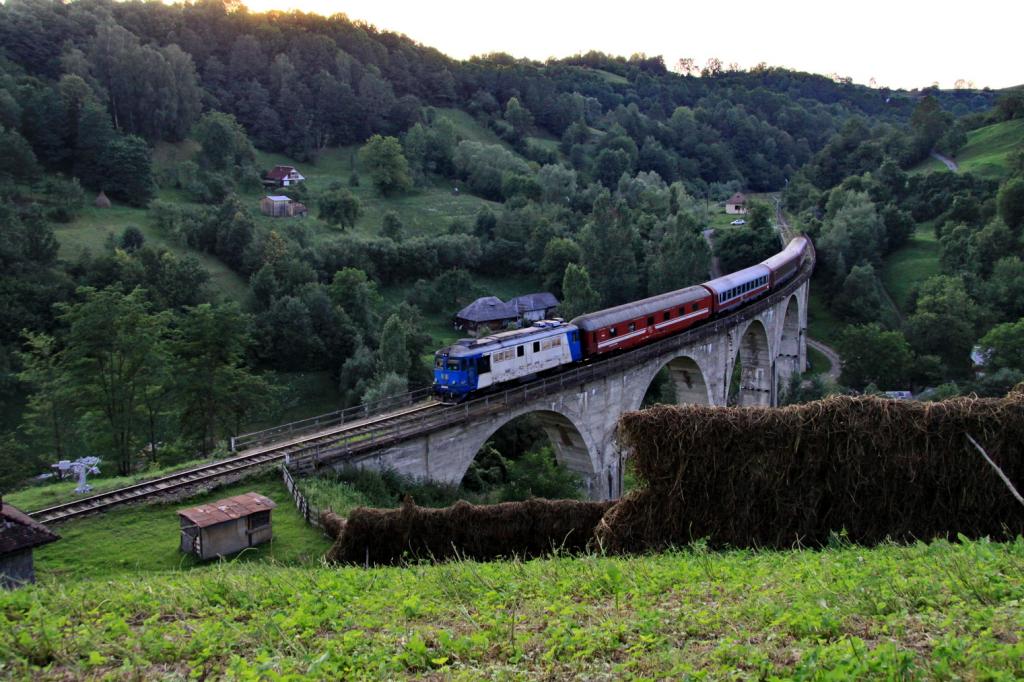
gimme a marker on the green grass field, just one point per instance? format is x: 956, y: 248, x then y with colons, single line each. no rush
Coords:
x: 988, y: 149
x: 819, y: 362
x: 143, y: 539
x: 423, y: 211
x: 910, y: 265
x: 924, y: 611
x: 822, y: 325
x: 986, y: 152
x: 42, y: 496
x: 94, y: 227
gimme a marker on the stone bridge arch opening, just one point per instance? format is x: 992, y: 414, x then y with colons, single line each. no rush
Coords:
x: 522, y: 444
x: 788, y: 362
x: 679, y: 381
x: 752, y: 374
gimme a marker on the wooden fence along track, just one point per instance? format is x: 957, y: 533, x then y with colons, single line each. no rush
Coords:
x: 352, y: 434
x: 209, y: 473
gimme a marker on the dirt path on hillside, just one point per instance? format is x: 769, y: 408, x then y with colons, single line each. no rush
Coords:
x: 833, y: 358
x: 950, y: 163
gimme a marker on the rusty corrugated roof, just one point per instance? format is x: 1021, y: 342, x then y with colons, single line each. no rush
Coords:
x: 228, y: 509
x: 18, y: 531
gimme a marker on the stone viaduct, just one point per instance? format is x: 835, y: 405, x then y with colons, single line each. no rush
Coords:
x: 579, y: 409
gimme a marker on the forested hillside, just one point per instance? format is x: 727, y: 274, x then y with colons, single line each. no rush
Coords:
x: 430, y: 181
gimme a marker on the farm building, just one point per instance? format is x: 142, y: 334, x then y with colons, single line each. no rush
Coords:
x: 19, y: 536
x: 533, y: 307
x: 280, y: 206
x: 226, y: 526
x: 283, y: 176
x: 736, y: 204
x: 489, y: 311
x: 494, y: 314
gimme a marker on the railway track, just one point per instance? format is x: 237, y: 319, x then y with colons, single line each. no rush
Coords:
x: 208, y: 473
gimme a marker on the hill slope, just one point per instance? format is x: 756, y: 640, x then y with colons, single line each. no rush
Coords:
x: 988, y: 149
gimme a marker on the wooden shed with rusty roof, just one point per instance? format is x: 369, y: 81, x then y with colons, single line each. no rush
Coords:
x: 19, y: 535
x: 226, y: 526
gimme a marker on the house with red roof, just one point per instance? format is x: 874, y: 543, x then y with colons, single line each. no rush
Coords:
x: 283, y: 176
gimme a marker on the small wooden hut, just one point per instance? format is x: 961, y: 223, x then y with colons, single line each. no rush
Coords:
x: 102, y: 201
x: 280, y: 206
x: 19, y: 535
x: 226, y: 526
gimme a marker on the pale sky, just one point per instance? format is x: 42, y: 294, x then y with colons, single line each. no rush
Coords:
x: 899, y: 43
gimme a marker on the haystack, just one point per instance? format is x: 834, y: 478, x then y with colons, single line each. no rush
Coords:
x: 522, y: 529
x: 102, y: 201
x: 874, y: 468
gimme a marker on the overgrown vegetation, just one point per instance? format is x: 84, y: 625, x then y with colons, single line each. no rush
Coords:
x: 937, y: 610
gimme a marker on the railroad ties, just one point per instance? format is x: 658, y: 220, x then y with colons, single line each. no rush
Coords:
x: 365, y: 429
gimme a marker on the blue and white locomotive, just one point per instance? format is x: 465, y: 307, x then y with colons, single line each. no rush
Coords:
x: 472, y: 365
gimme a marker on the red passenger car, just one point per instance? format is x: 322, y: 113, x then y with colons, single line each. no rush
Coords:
x: 634, y: 324
x: 787, y: 262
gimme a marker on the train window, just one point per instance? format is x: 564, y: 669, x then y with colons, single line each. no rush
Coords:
x: 536, y: 346
x: 667, y: 315
x: 632, y: 326
x: 612, y: 331
x: 483, y: 364
x: 650, y: 321
x: 453, y: 365
x: 520, y: 351
x: 438, y: 363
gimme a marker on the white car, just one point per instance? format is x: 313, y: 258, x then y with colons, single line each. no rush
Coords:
x: 738, y: 221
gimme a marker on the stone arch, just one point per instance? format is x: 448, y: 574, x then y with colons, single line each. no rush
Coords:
x: 572, y: 445
x: 756, y: 366
x: 688, y: 377
x: 788, y: 360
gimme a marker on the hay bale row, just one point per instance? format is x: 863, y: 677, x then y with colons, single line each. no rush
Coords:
x: 483, y: 532
x: 777, y: 477
x: 332, y: 524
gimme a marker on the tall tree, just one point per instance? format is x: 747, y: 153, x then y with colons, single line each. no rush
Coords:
x: 50, y: 413
x: 682, y: 259
x: 212, y: 382
x: 392, y: 356
x: 384, y: 161
x: 578, y: 297
x: 113, y: 344
x: 608, y: 242
x: 874, y: 356
x: 340, y: 207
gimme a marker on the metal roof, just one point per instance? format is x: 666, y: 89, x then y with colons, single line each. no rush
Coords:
x: 795, y: 247
x: 641, y: 308
x: 735, y: 279
x: 279, y: 197
x: 18, y: 531
x: 227, y: 509
x: 487, y: 309
x: 538, y: 301
x: 514, y: 337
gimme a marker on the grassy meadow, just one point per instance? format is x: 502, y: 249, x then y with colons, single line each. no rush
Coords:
x: 986, y: 153
x: 924, y: 611
x: 144, y: 539
x: 910, y: 265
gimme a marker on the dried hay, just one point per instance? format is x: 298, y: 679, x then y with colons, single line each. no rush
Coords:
x: 766, y: 477
x: 332, y: 524
x: 524, y: 529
